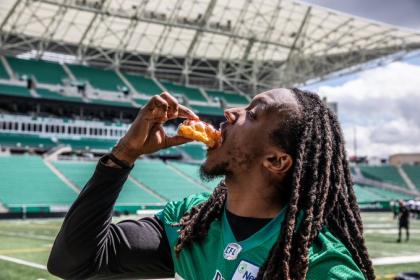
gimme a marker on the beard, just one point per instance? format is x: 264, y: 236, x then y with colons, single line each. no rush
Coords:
x: 219, y: 170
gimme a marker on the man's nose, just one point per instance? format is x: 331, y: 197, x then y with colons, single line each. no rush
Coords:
x: 230, y: 116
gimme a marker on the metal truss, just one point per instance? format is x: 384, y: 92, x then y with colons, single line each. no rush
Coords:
x: 241, y: 45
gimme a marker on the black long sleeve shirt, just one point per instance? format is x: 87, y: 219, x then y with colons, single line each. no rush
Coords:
x: 89, y: 245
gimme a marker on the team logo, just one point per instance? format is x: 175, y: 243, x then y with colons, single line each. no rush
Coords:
x: 246, y: 271
x: 218, y: 276
x: 232, y: 251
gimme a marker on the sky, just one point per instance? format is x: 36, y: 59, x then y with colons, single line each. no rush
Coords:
x: 379, y: 107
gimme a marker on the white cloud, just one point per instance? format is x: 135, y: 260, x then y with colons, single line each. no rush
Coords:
x: 383, y: 105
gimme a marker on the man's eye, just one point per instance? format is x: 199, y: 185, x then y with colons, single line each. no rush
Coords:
x: 251, y: 115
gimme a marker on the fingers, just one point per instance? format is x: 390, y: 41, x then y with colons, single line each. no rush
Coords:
x: 184, y: 112
x: 176, y: 110
x: 176, y: 140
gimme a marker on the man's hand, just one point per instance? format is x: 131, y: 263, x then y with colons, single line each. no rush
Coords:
x: 146, y: 134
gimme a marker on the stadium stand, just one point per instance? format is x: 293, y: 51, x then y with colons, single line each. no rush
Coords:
x: 140, y: 102
x: 196, y: 151
x: 79, y: 173
x: 413, y: 171
x: 43, y: 71
x: 111, y: 102
x: 14, y: 90
x: 53, y: 95
x: 368, y: 194
x: 27, y: 181
x: 88, y: 143
x: 163, y: 180
x: 192, y: 170
x: 98, y: 78
x: 230, y: 98
x: 25, y: 140
x: 191, y: 93
x: 208, y: 110
x: 143, y: 84
x: 384, y: 173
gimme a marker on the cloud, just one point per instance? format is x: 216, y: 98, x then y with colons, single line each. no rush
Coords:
x: 383, y: 105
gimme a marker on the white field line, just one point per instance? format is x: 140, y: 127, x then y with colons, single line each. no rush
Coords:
x: 19, y: 261
x: 396, y: 260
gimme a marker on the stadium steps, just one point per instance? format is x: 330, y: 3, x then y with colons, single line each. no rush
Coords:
x: 413, y: 171
x: 68, y: 72
x: 196, y: 151
x: 26, y: 180
x: 43, y: 71
x: 80, y: 172
x: 147, y: 189
x: 3, y: 209
x: 406, y: 179
x: 163, y: 180
x: 387, y: 173
x: 192, y: 171
x: 126, y: 82
x: 61, y: 176
x: 5, y: 70
x: 192, y: 180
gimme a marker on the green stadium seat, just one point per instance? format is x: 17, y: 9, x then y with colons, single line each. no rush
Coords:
x: 3, y: 72
x: 80, y: 172
x: 143, y: 85
x: 111, y: 102
x: 196, y: 151
x: 14, y: 90
x: 193, y: 94
x: 43, y: 71
x: 31, y: 184
x: 52, y: 95
x: 192, y: 170
x: 208, y: 110
x: 369, y: 194
x: 88, y: 143
x: 228, y: 97
x: 98, y: 78
x: 413, y: 172
x: 163, y: 180
x: 25, y: 140
x: 140, y: 102
x: 385, y: 173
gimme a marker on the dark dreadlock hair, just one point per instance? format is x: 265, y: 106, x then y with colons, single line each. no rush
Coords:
x: 320, y: 185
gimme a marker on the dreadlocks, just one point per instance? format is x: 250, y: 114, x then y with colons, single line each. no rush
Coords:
x: 320, y: 177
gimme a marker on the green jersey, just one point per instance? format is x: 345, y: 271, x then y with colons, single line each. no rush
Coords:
x: 220, y: 256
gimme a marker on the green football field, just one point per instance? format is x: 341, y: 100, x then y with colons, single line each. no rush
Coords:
x: 25, y: 245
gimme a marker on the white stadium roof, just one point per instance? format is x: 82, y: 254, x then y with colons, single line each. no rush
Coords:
x: 242, y: 43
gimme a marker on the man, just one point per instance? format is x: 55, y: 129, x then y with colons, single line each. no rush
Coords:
x: 403, y: 221
x: 285, y: 210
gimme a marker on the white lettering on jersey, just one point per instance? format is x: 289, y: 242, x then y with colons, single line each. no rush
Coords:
x: 218, y: 276
x: 246, y: 271
x: 232, y: 251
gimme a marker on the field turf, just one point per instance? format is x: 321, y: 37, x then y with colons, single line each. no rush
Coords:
x: 31, y: 240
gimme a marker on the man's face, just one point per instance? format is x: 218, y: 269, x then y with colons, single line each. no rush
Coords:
x: 246, y: 135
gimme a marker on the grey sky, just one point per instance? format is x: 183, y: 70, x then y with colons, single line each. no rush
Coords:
x: 404, y: 13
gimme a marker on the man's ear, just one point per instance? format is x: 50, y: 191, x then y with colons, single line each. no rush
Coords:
x: 277, y: 162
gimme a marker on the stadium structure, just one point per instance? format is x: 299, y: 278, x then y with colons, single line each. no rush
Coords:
x: 74, y: 73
